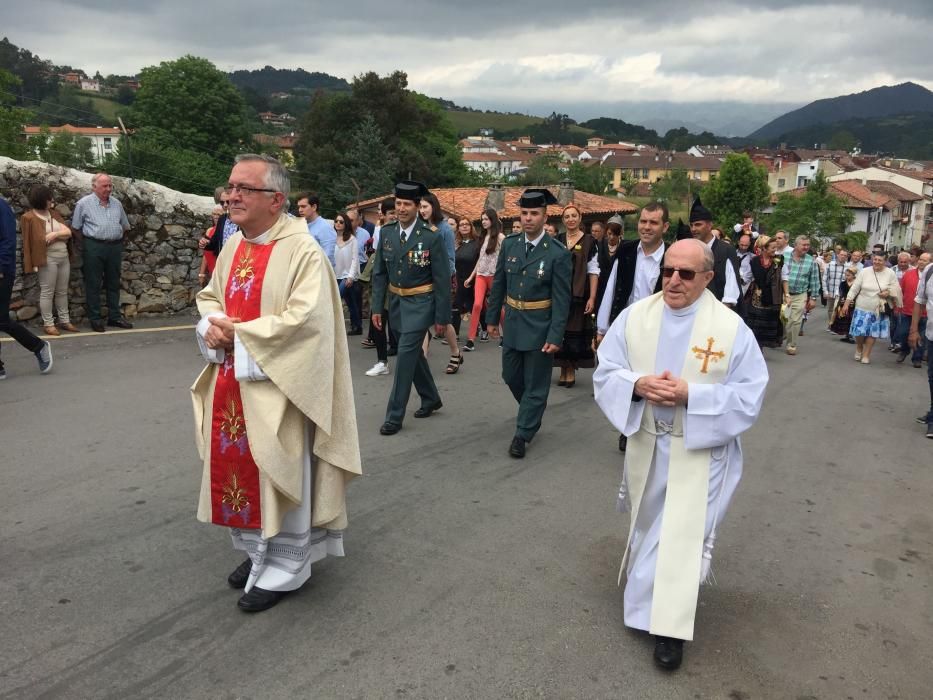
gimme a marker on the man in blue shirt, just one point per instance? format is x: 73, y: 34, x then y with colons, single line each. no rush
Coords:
x: 40, y: 348
x: 319, y: 227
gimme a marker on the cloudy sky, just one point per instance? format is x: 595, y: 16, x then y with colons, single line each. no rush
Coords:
x: 514, y: 53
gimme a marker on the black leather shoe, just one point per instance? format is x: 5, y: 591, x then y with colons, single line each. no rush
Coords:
x: 668, y: 652
x: 240, y: 575
x: 389, y: 428
x: 517, y: 448
x: 426, y: 411
x: 355, y: 331
x: 120, y: 323
x: 97, y: 326
x: 623, y: 443
x: 259, y: 599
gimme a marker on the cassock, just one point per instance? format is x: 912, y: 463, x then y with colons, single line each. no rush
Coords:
x: 275, y: 419
x: 683, y: 464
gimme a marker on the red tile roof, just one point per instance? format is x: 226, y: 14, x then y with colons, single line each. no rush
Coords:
x: 893, y: 191
x: 853, y: 194
x: 470, y: 201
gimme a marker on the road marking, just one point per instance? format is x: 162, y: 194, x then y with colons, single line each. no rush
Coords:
x: 86, y: 334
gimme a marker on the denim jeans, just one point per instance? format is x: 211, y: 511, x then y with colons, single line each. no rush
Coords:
x: 353, y: 296
x: 899, y: 337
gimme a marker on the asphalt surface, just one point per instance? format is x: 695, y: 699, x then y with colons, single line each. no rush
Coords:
x: 469, y: 574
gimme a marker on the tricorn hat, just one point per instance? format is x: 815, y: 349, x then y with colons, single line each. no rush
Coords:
x: 535, y: 197
x: 699, y: 213
x: 683, y: 231
x: 410, y: 189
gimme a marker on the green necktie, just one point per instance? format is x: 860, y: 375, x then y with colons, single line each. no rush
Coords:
x: 528, y: 248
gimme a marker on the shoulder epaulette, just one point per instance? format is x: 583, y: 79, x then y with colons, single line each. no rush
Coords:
x: 558, y: 242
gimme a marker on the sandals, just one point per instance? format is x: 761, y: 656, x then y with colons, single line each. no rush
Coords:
x: 453, y: 365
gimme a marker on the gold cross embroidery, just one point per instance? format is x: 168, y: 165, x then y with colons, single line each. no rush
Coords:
x: 707, y: 355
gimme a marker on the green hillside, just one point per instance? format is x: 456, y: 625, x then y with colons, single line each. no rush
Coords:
x: 469, y: 123
x: 905, y: 135
x: 104, y: 106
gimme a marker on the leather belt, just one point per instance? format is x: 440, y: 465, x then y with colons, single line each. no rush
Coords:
x: 522, y: 305
x: 411, y: 291
x: 104, y: 242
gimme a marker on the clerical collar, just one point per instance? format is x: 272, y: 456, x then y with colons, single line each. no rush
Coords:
x: 687, y: 310
x: 261, y: 239
x: 536, y: 241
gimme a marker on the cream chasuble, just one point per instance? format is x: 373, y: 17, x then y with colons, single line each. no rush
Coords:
x: 682, y: 466
x: 298, y: 348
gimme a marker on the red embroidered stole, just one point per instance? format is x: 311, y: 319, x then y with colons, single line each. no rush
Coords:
x: 234, y: 474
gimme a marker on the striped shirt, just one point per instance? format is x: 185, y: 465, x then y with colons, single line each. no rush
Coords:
x: 99, y: 222
x: 802, y: 276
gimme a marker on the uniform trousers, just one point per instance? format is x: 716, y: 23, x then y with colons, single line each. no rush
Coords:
x: 528, y: 376
x: 411, y: 366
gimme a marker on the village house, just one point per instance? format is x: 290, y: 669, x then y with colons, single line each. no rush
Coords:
x: 284, y: 143
x: 915, y: 178
x: 90, y: 85
x: 104, y: 139
x: 647, y: 168
x: 882, y: 209
x: 714, y: 151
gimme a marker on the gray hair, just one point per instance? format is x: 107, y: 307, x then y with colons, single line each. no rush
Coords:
x: 276, y: 175
x: 97, y: 176
x: 801, y: 239
x: 219, y: 191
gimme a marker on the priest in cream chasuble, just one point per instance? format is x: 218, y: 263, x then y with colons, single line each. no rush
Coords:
x: 682, y: 377
x: 274, y: 415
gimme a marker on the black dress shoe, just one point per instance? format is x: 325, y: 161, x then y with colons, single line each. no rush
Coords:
x: 355, y: 331
x: 668, y: 652
x: 240, y: 575
x: 259, y: 599
x: 389, y: 428
x: 426, y: 411
x: 120, y: 323
x: 97, y: 326
x: 623, y: 443
x: 517, y: 448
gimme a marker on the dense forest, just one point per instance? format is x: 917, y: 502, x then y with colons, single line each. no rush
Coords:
x: 905, y: 135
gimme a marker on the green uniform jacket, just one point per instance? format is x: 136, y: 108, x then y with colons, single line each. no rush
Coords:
x: 422, y: 260
x: 545, y: 274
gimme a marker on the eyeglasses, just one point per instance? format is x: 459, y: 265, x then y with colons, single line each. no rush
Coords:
x: 244, y: 190
x: 685, y: 275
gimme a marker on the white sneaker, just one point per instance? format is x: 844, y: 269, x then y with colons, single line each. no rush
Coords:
x: 377, y: 369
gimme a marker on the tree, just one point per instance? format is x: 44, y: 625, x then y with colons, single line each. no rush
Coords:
x: 595, y: 179
x: 816, y: 212
x: 542, y: 170
x: 194, y: 103
x: 843, y: 140
x: 12, y: 119
x: 158, y: 158
x: 740, y: 186
x: 368, y: 168
x: 418, y: 140
x: 677, y: 187
x: 126, y: 95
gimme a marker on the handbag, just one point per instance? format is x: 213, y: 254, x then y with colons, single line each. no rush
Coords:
x: 884, y: 306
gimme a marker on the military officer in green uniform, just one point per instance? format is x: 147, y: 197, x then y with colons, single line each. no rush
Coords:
x: 412, y: 266
x: 533, y: 281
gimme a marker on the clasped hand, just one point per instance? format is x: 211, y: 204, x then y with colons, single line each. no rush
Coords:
x: 220, y: 333
x: 663, y: 389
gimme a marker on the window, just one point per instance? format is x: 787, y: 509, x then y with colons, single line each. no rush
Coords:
x: 644, y: 173
x: 108, y: 143
x: 781, y: 183
x: 697, y: 175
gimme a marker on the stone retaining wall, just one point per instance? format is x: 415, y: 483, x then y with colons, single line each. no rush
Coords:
x: 161, y: 257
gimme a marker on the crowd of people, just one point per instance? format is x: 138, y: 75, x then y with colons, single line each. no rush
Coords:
x: 674, y: 329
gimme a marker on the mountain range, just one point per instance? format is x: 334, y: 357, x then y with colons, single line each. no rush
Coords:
x: 882, y: 101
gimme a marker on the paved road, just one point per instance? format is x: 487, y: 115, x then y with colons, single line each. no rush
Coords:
x: 469, y: 575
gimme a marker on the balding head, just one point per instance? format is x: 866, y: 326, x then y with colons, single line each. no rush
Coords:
x: 903, y: 260
x: 922, y: 261
x: 686, y: 258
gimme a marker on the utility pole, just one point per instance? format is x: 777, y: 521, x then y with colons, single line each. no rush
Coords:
x: 129, y: 152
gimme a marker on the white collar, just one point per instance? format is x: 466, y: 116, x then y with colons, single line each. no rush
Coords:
x: 407, y: 231
x: 535, y: 242
x: 261, y: 239
x: 657, y: 255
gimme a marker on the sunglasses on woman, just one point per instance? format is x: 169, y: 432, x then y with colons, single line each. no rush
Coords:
x: 685, y: 275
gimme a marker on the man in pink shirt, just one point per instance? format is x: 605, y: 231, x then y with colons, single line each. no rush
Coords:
x: 909, y: 281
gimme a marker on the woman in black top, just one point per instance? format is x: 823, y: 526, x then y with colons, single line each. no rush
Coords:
x: 764, y: 296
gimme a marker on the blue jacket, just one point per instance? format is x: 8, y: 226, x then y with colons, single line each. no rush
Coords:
x: 7, y: 240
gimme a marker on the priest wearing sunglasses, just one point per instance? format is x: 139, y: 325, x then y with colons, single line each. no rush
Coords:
x: 682, y: 377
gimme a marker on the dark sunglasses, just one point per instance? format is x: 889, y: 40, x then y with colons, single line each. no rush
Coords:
x: 685, y: 275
